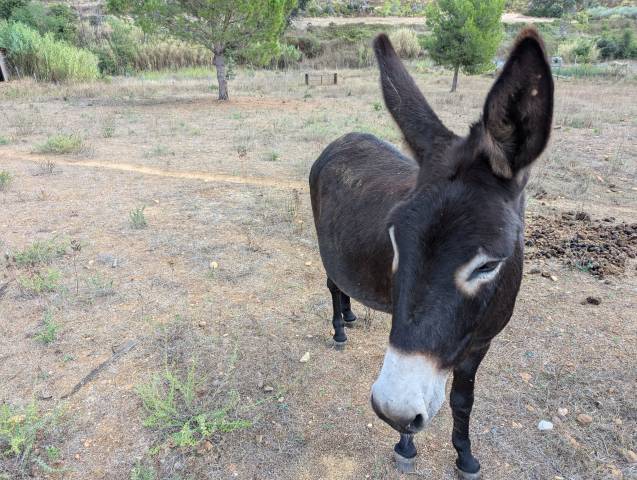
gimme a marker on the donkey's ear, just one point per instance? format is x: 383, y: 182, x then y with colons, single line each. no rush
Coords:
x: 519, y: 108
x: 423, y: 130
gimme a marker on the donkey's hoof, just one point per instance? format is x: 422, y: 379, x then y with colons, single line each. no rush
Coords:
x: 340, y: 345
x: 350, y: 323
x: 462, y: 475
x: 405, y: 465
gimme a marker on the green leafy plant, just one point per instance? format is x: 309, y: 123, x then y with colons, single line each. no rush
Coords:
x: 142, y: 472
x: 49, y: 331
x: 5, y: 180
x: 61, y: 144
x: 465, y: 34
x: 41, y: 282
x: 20, y: 431
x: 137, y: 218
x: 40, y: 252
x: 174, y: 410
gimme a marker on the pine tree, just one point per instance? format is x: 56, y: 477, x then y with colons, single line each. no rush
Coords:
x: 465, y: 34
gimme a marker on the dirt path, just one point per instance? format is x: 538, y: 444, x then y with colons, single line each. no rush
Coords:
x: 13, y: 155
x: 325, y: 21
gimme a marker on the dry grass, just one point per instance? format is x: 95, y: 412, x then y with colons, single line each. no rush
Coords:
x: 227, y: 275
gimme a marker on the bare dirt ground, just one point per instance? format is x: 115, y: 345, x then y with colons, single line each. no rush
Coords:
x: 226, y: 279
x: 509, y: 17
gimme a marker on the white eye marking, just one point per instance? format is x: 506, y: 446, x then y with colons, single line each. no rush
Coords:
x: 394, y: 263
x: 469, y: 286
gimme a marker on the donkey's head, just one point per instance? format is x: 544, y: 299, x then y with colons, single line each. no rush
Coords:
x: 457, y: 239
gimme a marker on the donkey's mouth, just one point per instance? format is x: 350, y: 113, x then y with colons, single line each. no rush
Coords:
x: 412, y: 427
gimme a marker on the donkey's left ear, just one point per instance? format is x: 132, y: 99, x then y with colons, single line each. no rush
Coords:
x: 518, y: 112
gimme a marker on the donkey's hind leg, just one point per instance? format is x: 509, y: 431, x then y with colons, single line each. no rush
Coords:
x: 346, y: 307
x: 337, y: 319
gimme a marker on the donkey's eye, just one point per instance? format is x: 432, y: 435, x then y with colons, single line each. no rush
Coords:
x: 486, y: 268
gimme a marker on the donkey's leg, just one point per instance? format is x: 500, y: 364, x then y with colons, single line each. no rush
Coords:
x: 461, y: 401
x: 346, y: 307
x: 405, y: 453
x: 337, y: 319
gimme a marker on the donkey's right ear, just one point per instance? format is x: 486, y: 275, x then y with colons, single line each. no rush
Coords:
x: 423, y: 130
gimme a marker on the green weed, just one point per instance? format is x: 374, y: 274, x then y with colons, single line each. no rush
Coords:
x: 100, y: 286
x: 5, y: 180
x: 61, y: 144
x: 49, y: 331
x: 272, y: 157
x: 137, y: 218
x: 40, y: 252
x: 20, y: 431
x: 174, y: 410
x: 4, y: 140
x: 142, y: 472
x: 38, y: 283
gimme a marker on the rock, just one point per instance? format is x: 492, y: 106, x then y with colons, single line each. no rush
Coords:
x: 535, y: 271
x: 629, y: 455
x: 308, y: 264
x: 553, y: 278
x: 562, y: 412
x: 545, y: 425
x: 584, y: 419
x: 572, y: 442
x: 305, y: 358
x: 202, y: 323
x: 593, y: 300
x: 107, y: 259
x: 214, y: 265
x: 525, y: 376
x: 268, y: 389
x: 516, y: 425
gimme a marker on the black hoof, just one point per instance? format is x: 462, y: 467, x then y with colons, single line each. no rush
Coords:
x: 349, y: 317
x: 350, y: 323
x: 405, y: 465
x: 340, y: 345
x: 468, y: 476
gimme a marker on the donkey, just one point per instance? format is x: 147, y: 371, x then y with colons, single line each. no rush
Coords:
x: 436, y: 240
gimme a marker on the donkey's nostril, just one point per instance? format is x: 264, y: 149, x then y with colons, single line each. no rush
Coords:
x: 417, y: 424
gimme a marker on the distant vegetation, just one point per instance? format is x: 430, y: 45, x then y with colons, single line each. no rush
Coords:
x: 52, y: 42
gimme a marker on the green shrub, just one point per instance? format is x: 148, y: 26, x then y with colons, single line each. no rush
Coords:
x: 5, y: 180
x: 174, y: 410
x: 605, y: 12
x: 7, y: 7
x: 579, y: 51
x: 59, y: 19
x: 621, y: 45
x: 137, y: 218
x: 405, y: 42
x: 550, y: 8
x: 21, y: 429
x: 62, y: 144
x: 41, y: 282
x: 308, y: 45
x: 49, y: 331
x: 40, y: 253
x: 44, y: 57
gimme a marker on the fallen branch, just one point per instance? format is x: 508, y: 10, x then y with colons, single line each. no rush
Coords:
x: 127, y: 347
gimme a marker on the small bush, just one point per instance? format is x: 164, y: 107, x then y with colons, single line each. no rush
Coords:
x: 5, y: 180
x: 550, y: 8
x: 174, y: 410
x: 137, y: 218
x: 618, y: 46
x: 41, y: 282
x: 49, y: 331
x: 405, y: 42
x: 579, y: 51
x: 58, y: 19
x: 44, y: 57
x: 142, y: 472
x: 20, y: 431
x: 40, y: 252
x: 605, y: 12
x: 62, y: 144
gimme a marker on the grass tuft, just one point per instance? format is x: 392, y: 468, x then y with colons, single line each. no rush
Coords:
x: 5, y: 180
x: 49, y: 331
x: 62, y: 144
x: 41, y: 282
x: 40, y: 252
x: 174, y: 410
x: 137, y: 218
x: 20, y: 431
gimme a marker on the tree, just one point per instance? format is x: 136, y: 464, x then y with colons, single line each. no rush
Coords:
x: 223, y: 26
x: 465, y: 34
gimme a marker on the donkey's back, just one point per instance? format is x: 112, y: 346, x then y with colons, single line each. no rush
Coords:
x: 354, y: 184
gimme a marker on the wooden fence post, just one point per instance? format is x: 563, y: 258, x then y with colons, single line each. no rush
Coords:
x: 4, y: 70
x: 335, y: 78
x: 307, y: 78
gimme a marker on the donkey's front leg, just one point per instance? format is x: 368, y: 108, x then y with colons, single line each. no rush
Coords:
x: 405, y: 453
x: 337, y: 319
x: 461, y: 401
